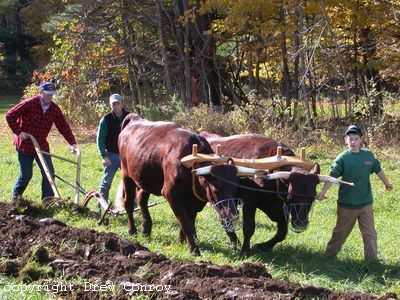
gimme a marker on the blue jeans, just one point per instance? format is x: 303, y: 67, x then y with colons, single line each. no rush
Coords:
x: 25, y: 174
x: 109, y: 173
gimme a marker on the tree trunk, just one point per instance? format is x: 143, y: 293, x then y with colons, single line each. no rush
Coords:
x: 287, y: 84
x: 339, y: 58
x: 162, y: 48
x: 371, y: 71
x: 180, y: 51
x: 188, y: 75
x: 303, y: 91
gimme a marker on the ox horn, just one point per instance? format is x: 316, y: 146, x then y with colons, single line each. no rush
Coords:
x: 202, y: 171
x: 325, y: 178
x: 244, y: 171
x: 277, y: 175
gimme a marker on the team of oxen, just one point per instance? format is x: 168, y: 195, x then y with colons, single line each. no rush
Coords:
x: 151, y: 154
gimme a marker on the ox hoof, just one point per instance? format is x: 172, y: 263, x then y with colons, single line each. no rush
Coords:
x: 244, y: 253
x: 132, y: 231
x: 146, y: 231
x: 262, y: 247
x: 196, y: 252
x: 235, y: 245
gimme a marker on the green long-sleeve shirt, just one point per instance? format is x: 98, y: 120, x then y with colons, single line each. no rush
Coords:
x: 355, y: 167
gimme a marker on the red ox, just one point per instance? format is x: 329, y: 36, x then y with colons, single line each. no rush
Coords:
x: 150, y: 155
x: 278, y: 200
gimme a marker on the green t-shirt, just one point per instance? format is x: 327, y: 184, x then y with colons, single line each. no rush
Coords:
x: 356, y: 168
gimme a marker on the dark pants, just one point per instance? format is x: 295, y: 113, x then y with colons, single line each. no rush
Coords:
x: 25, y: 174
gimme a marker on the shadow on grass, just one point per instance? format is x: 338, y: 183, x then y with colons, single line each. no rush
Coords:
x: 8, y: 101
x: 315, y: 262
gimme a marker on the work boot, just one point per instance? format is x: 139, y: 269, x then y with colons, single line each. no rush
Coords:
x: 14, y: 202
x: 18, y: 202
x: 47, y: 201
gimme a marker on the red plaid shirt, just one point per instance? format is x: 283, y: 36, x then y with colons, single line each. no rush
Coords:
x: 28, y: 116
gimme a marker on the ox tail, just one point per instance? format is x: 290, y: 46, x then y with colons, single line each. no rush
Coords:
x: 129, y: 118
x: 119, y: 198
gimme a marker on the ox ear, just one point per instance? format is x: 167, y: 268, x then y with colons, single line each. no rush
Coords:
x: 316, y: 169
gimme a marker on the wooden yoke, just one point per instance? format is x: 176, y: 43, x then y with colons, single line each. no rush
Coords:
x: 189, y: 160
x: 218, y: 150
x: 303, y: 153
x: 194, y: 154
x: 194, y: 150
x: 279, y: 152
x: 270, y: 163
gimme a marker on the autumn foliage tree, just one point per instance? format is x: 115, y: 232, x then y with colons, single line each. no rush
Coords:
x: 218, y: 52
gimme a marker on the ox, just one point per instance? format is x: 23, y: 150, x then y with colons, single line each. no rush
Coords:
x: 292, y: 197
x: 150, y: 155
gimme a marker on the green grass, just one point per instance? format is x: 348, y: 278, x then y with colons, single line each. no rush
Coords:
x: 298, y: 259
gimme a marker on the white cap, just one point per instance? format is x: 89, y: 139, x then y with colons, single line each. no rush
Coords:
x: 115, y: 98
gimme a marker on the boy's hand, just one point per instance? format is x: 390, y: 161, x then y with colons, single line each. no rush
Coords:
x: 388, y: 186
x: 320, y: 197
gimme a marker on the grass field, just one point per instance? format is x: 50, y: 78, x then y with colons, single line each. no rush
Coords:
x: 299, y: 258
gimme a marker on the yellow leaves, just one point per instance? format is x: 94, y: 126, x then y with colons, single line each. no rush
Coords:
x: 219, y: 6
x: 313, y: 8
x: 189, y: 15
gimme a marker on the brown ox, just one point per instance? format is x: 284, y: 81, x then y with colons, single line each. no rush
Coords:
x: 150, y: 155
x: 293, y: 197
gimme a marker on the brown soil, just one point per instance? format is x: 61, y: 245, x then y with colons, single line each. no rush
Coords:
x: 58, y: 251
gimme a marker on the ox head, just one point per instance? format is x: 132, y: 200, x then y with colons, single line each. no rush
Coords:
x: 302, y: 188
x: 220, y: 183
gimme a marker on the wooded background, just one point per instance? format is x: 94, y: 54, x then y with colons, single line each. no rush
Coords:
x: 217, y: 52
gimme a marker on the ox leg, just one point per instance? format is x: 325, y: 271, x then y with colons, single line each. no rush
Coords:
x: 279, y: 237
x: 233, y: 239
x: 186, y: 223
x: 249, y: 226
x: 129, y: 203
x: 142, y: 198
x: 181, y: 236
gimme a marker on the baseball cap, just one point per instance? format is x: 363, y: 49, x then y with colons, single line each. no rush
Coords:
x: 353, y: 129
x: 115, y: 98
x: 48, y: 87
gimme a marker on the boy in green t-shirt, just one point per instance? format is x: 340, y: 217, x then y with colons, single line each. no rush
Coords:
x: 354, y: 203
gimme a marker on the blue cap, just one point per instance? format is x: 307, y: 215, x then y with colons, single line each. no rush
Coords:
x: 48, y: 87
x: 353, y: 129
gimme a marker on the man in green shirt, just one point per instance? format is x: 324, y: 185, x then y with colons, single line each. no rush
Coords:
x: 107, y: 142
x: 355, y: 203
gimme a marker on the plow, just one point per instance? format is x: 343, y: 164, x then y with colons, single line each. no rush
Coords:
x: 93, y: 194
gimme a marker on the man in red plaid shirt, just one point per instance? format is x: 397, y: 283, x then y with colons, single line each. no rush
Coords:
x: 36, y: 116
